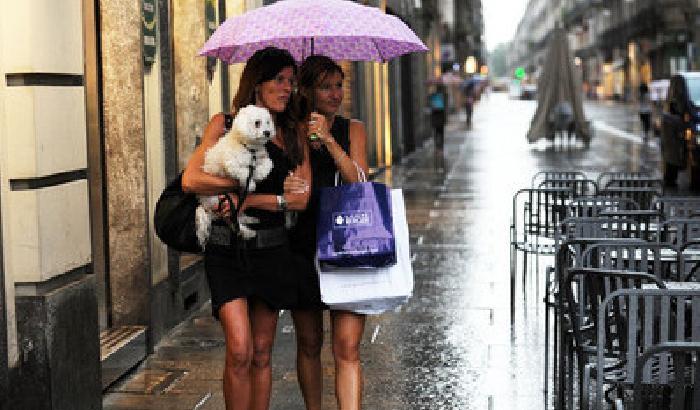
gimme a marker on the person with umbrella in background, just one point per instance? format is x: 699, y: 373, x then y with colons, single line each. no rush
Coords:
x: 437, y: 101
x: 338, y: 145
x: 248, y: 289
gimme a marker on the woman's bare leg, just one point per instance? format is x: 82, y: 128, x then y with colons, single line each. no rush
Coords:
x: 239, y: 353
x: 308, y: 325
x: 264, y: 324
x: 347, y: 329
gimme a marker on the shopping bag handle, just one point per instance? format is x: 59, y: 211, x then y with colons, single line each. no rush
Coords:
x: 360, y: 174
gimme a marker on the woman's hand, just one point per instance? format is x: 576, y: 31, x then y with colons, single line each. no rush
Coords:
x: 223, y: 209
x: 295, y: 185
x: 319, y: 129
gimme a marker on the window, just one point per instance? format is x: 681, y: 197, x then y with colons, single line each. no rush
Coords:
x: 694, y: 90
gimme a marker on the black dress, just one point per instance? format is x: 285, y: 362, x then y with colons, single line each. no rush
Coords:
x: 249, y: 270
x: 303, y: 235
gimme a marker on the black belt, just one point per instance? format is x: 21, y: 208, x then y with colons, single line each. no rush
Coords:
x: 264, y: 238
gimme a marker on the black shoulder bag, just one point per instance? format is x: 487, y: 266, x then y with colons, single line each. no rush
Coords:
x: 174, y: 217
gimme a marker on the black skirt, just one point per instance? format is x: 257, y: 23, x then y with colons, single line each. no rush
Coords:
x: 309, y: 291
x: 266, y: 274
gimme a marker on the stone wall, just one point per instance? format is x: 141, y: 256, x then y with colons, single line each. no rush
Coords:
x: 191, y: 88
x: 125, y: 159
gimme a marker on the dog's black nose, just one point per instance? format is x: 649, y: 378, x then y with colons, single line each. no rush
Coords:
x: 266, y: 134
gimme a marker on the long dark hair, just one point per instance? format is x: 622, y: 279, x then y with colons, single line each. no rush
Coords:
x: 262, y: 66
x: 312, y: 73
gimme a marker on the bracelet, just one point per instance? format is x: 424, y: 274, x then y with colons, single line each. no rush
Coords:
x: 281, y: 203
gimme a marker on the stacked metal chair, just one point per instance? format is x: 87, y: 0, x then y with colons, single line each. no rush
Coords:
x: 537, y: 213
x: 621, y: 338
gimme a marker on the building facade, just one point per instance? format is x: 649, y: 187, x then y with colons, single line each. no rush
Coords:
x: 101, y: 103
x: 461, y: 33
x: 617, y: 44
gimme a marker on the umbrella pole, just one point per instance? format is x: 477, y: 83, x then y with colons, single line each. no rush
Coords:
x: 312, y: 46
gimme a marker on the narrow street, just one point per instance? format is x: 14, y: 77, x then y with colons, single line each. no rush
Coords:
x: 451, y: 346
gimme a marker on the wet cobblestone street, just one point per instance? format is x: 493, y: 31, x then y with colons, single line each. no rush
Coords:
x: 452, y: 345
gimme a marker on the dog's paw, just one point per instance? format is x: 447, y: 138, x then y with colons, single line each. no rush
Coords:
x: 209, y: 202
x: 245, y: 232
x: 203, y: 223
x: 263, y: 168
x: 251, y: 185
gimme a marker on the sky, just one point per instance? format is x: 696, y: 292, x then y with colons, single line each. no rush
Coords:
x: 501, y: 18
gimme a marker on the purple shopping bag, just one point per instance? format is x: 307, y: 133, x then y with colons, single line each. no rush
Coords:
x: 355, y: 227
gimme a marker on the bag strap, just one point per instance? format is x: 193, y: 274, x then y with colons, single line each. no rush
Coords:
x: 243, y: 194
x: 361, y: 176
x: 228, y: 121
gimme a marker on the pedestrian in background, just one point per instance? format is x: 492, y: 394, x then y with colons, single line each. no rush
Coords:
x: 437, y: 101
x: 338, y: 145
x: 469, y: 93
x: 645, y: 110
x: 248, y: 289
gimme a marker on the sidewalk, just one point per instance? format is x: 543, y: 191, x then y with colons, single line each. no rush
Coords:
x: 452, y: 346
x: 185, y: 371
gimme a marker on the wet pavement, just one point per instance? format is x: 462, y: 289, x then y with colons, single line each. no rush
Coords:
x: 452, y: 345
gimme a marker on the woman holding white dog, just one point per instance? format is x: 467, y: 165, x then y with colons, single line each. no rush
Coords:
x: 247, y: 292
x: 337, y: 145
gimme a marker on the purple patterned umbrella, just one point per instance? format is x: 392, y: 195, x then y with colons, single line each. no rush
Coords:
x: 340, y: 29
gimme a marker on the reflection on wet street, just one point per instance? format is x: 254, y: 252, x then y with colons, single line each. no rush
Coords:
x: 452, y: 345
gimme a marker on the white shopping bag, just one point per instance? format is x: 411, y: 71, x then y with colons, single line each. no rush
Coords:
x: 376, y: 290
x: 371, y: 307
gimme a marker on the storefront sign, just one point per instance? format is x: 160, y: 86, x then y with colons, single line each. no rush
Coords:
x: 149, y: 33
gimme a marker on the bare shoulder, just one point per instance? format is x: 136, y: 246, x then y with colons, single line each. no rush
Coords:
x: 356, y: 123
x: 215, y: 129
x: 218, y: 120
x: 357, y: 127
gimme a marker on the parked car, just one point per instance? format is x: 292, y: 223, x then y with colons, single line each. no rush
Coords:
x: 528, y: 92
x: 500, y: 84
x: 522, y: 90
x: 514, y: 89
x: 680, y: 129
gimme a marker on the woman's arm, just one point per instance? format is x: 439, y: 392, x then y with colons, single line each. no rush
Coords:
x: 358, y: 145
x: 193, y: 178
x: 345, y: 162
x: 296, y: 201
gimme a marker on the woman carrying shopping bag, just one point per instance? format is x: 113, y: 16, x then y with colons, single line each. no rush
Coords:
x: 251, y: 280
x: 337, y: 146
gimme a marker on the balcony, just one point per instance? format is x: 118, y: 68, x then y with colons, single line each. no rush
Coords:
x: 576, y: 13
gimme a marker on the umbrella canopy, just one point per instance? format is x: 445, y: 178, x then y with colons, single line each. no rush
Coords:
x: 340, y: 29
x: 558, y: 93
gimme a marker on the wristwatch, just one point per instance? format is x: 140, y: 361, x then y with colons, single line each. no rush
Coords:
x: 282, y: 203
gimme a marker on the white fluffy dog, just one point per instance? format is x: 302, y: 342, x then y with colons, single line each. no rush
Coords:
x: 233, y: 156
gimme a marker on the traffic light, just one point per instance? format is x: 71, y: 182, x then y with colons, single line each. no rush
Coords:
x: 519, y: 73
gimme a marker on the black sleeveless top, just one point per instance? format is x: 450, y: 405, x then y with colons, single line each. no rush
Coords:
x: 323, y: 169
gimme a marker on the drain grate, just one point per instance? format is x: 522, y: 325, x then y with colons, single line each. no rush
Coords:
x: 112, y: 340
x: 151, y: 381
x: 121, y: 348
